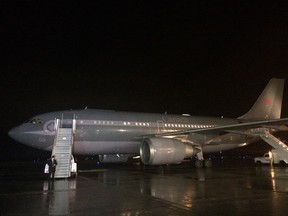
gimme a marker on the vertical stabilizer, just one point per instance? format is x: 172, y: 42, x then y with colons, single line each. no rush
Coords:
x: 269, y: 103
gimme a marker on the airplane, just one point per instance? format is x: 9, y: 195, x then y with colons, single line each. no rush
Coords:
x: 158, y: 138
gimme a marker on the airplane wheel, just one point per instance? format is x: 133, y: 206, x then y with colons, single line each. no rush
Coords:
x: 208, y: 163
x: 199, y: 164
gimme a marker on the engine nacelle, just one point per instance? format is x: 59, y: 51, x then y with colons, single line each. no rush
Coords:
x: 158, y: 151
x: 121, y: 158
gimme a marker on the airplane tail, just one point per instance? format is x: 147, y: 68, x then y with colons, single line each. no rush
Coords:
x: 269, y: 103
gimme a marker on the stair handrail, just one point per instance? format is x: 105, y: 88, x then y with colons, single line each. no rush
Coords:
x: 56, y: 128
x: 277, y: 140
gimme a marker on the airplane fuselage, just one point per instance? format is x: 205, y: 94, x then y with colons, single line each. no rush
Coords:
x: 111, y: 132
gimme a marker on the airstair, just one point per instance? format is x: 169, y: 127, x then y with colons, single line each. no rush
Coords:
x: 266, y: 136
x: 62, y: 148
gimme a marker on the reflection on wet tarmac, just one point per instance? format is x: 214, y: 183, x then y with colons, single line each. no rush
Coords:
x: 279, y: 180
x: 58, y: 194
x: 150, y: 191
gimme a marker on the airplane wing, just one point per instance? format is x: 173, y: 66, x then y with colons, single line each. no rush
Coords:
x: 239, y: 128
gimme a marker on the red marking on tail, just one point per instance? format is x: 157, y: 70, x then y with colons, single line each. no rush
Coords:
x: 267, y: 102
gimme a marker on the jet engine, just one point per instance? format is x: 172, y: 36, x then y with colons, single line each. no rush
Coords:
x: 158, y: 151
x: 119, y: 158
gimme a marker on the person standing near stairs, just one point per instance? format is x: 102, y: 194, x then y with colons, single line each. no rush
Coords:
x: 52, y: 167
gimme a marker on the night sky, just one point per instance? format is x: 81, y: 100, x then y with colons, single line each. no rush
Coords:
x: 178, y: 57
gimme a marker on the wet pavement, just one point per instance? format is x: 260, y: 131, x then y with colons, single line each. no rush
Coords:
x: 134, y: 190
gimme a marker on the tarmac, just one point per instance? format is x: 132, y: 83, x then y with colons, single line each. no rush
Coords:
x: 128, y: 190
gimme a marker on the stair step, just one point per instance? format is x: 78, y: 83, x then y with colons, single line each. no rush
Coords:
x: 62, y: 150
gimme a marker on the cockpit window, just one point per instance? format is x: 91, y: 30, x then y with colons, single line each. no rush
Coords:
x: 35, y: 121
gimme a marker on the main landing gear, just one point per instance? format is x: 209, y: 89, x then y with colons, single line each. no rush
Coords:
x: 200, y: 162
x: 203, y: 163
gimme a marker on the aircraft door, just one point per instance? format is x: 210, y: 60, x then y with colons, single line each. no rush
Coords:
x: 160, y: 126
x: 68, y: 121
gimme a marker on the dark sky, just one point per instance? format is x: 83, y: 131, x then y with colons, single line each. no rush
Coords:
x: 192, y: 57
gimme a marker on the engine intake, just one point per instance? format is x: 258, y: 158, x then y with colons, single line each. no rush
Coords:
x: 158, y: 151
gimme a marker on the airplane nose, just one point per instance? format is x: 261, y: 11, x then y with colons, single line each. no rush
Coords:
x: 11, y: 133
x: 18, y: 134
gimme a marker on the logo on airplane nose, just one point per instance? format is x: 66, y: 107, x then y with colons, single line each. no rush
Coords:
x: 49, y: 126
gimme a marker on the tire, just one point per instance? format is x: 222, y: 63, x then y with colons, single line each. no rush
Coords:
x: 282, y: 163
x: 208, y: 163
x: 199, y: 164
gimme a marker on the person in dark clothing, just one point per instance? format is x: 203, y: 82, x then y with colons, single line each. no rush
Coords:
x: 52, y: 162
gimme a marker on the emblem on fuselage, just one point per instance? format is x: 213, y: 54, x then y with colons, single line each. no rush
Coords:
x: 49, y: 126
